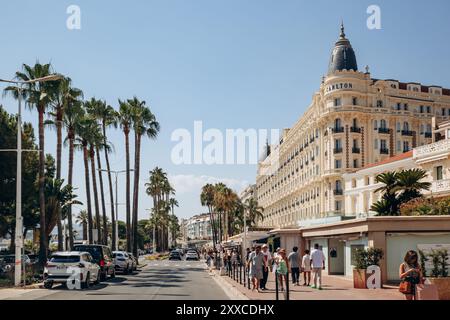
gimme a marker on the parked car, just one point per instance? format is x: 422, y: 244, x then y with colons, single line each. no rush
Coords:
x: 102, y: 256
x: 133, y: 260
x: 123, y: 262
x: 192, y: 255
x: 61, y: 265
x: 175, y: 255
x: 10, y: 259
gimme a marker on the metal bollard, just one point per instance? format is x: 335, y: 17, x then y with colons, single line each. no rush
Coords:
x: 287, y: 286
x: 248, y: 278
x: 276, y: 287
x: 240, y: 273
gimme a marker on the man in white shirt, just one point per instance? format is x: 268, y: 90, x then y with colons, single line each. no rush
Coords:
x: 317, y: 264
x: 267, y: 261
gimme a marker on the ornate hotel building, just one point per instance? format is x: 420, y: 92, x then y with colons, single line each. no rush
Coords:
x: 353, y: 120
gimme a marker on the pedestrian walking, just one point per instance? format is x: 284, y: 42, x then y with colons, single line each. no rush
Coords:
x: 255, y: 264
x: 306, y: 268
x: 282, y: 268
x: 247, y: 253
x: 294, y: 262
x: 267, y: 263
x: 411, y: 275
x: 318, y: 264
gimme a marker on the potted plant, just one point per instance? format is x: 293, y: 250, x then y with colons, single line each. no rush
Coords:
x: 439, y: 274
x: 364, y: 258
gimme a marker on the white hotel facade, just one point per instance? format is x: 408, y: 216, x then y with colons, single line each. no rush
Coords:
x: 353, y: 120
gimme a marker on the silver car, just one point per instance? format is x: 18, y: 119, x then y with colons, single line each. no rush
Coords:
x: 123, y: 262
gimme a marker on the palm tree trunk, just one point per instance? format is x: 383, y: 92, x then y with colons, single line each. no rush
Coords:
x: 111, y: 193
x: 97, y: 209
x: 127, y: 156
x: 102, y: 196
x: 58, y: 174
x: 69, y: 214
x: 88, y: 192
x: 42, y: 233
x: 137, y: 154
x: 84, y: 230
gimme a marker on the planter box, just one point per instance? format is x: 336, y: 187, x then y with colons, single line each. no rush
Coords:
x: 443, y: 287
x: 360, y: 278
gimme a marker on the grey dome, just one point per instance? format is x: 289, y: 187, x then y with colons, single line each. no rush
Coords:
x: 343, y: 57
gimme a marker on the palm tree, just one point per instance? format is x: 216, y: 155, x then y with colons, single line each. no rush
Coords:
x: 207, y: 199
x: 254, y: 211
x: 63, y: 99
x: 72, y: 115
x: 173, y: 203
x: 38, y: 95
x: 224, y: 200
x: 144, y: 124
x: 125, y: 120
x: 410, y: 185
x: 107, y: 117
x: 84, y: 129
x: 82, y: 220
x: 93, y: 107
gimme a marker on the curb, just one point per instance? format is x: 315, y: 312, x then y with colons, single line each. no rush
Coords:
x: 230, y: 290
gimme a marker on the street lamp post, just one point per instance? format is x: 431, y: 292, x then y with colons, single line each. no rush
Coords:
x: 19, y: 220
x: 116, y: 225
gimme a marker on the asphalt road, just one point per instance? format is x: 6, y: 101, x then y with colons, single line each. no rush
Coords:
x: 159, y: 280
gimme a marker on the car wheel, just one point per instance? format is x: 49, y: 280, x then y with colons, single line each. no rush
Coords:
x: 87, y: 282
x: 103, y: 276
x: 48, y: 284
x: 97, y: 279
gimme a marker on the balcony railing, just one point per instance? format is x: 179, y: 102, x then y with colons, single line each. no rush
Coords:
x: 432, y: 148
x: 356, y: 150
x: 338, y: 192
x: 440, y: 186
x: 355, y: 129
x: 338, y: 129
x: 384, y: 130
x: 407, y: 133
x: 337, y: 150
x: 428, y: 135
x: 384, y: 151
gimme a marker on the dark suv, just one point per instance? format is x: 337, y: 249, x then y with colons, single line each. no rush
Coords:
x: 102, y: 256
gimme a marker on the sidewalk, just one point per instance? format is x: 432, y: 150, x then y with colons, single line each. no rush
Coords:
x: 334, y: 288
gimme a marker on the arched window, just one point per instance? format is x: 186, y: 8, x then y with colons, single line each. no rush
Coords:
x: 337, y: 123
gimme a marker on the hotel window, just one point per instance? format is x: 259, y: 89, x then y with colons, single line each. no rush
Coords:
x: 399, y: 146
x: 399, y: 106
x: 383, y: 144
x: 405, y: 106
x: 448, y: 112
x: 375, y: 124
x: 338, y: 143
x: 421, y: 109
x: 338, y: 205
x: 383, y: 124
x: 355, y: 101
x: 337, y: 102
x: 353, y: 183
x: 355, y: 163
x: 428, y: 128
x: 443, y: 111
x: 428, y: 109
x: 405, y: 146
x: 355, y: 143
x: 379, y: 104
x: 338, y: 164
x: 439, y: 175
x: 376, y: 144
x: 405, y: 126
x: 399, y: 127
x: 422, y: 130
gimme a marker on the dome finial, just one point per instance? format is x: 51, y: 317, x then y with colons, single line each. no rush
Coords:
x: 342, y: 35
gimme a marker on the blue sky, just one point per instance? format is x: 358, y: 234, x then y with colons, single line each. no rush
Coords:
x: 231, y: 64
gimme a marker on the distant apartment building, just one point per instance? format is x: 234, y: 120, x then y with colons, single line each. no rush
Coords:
x: 353, y: 120
x: 197, y: 227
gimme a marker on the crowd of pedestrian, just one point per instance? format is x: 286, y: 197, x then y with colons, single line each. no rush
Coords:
x: 260, y: 262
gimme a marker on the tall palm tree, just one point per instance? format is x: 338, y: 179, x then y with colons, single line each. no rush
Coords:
x: 144, y: 124
x: 72, y: 115
x: 254, y: 211
x: 125, y: 120
x: 107, y: 117
x: 173, y: 203
x: 82, y: 220
x: 84, y: 129
x: 37, y: 95
x: 207, y: 199
x: 63, y: 99
x: 93, y: 106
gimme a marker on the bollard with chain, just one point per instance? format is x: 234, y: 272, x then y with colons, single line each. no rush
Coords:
x: 287, y: 285
x: 240, y: 273
x: 276, y: 286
